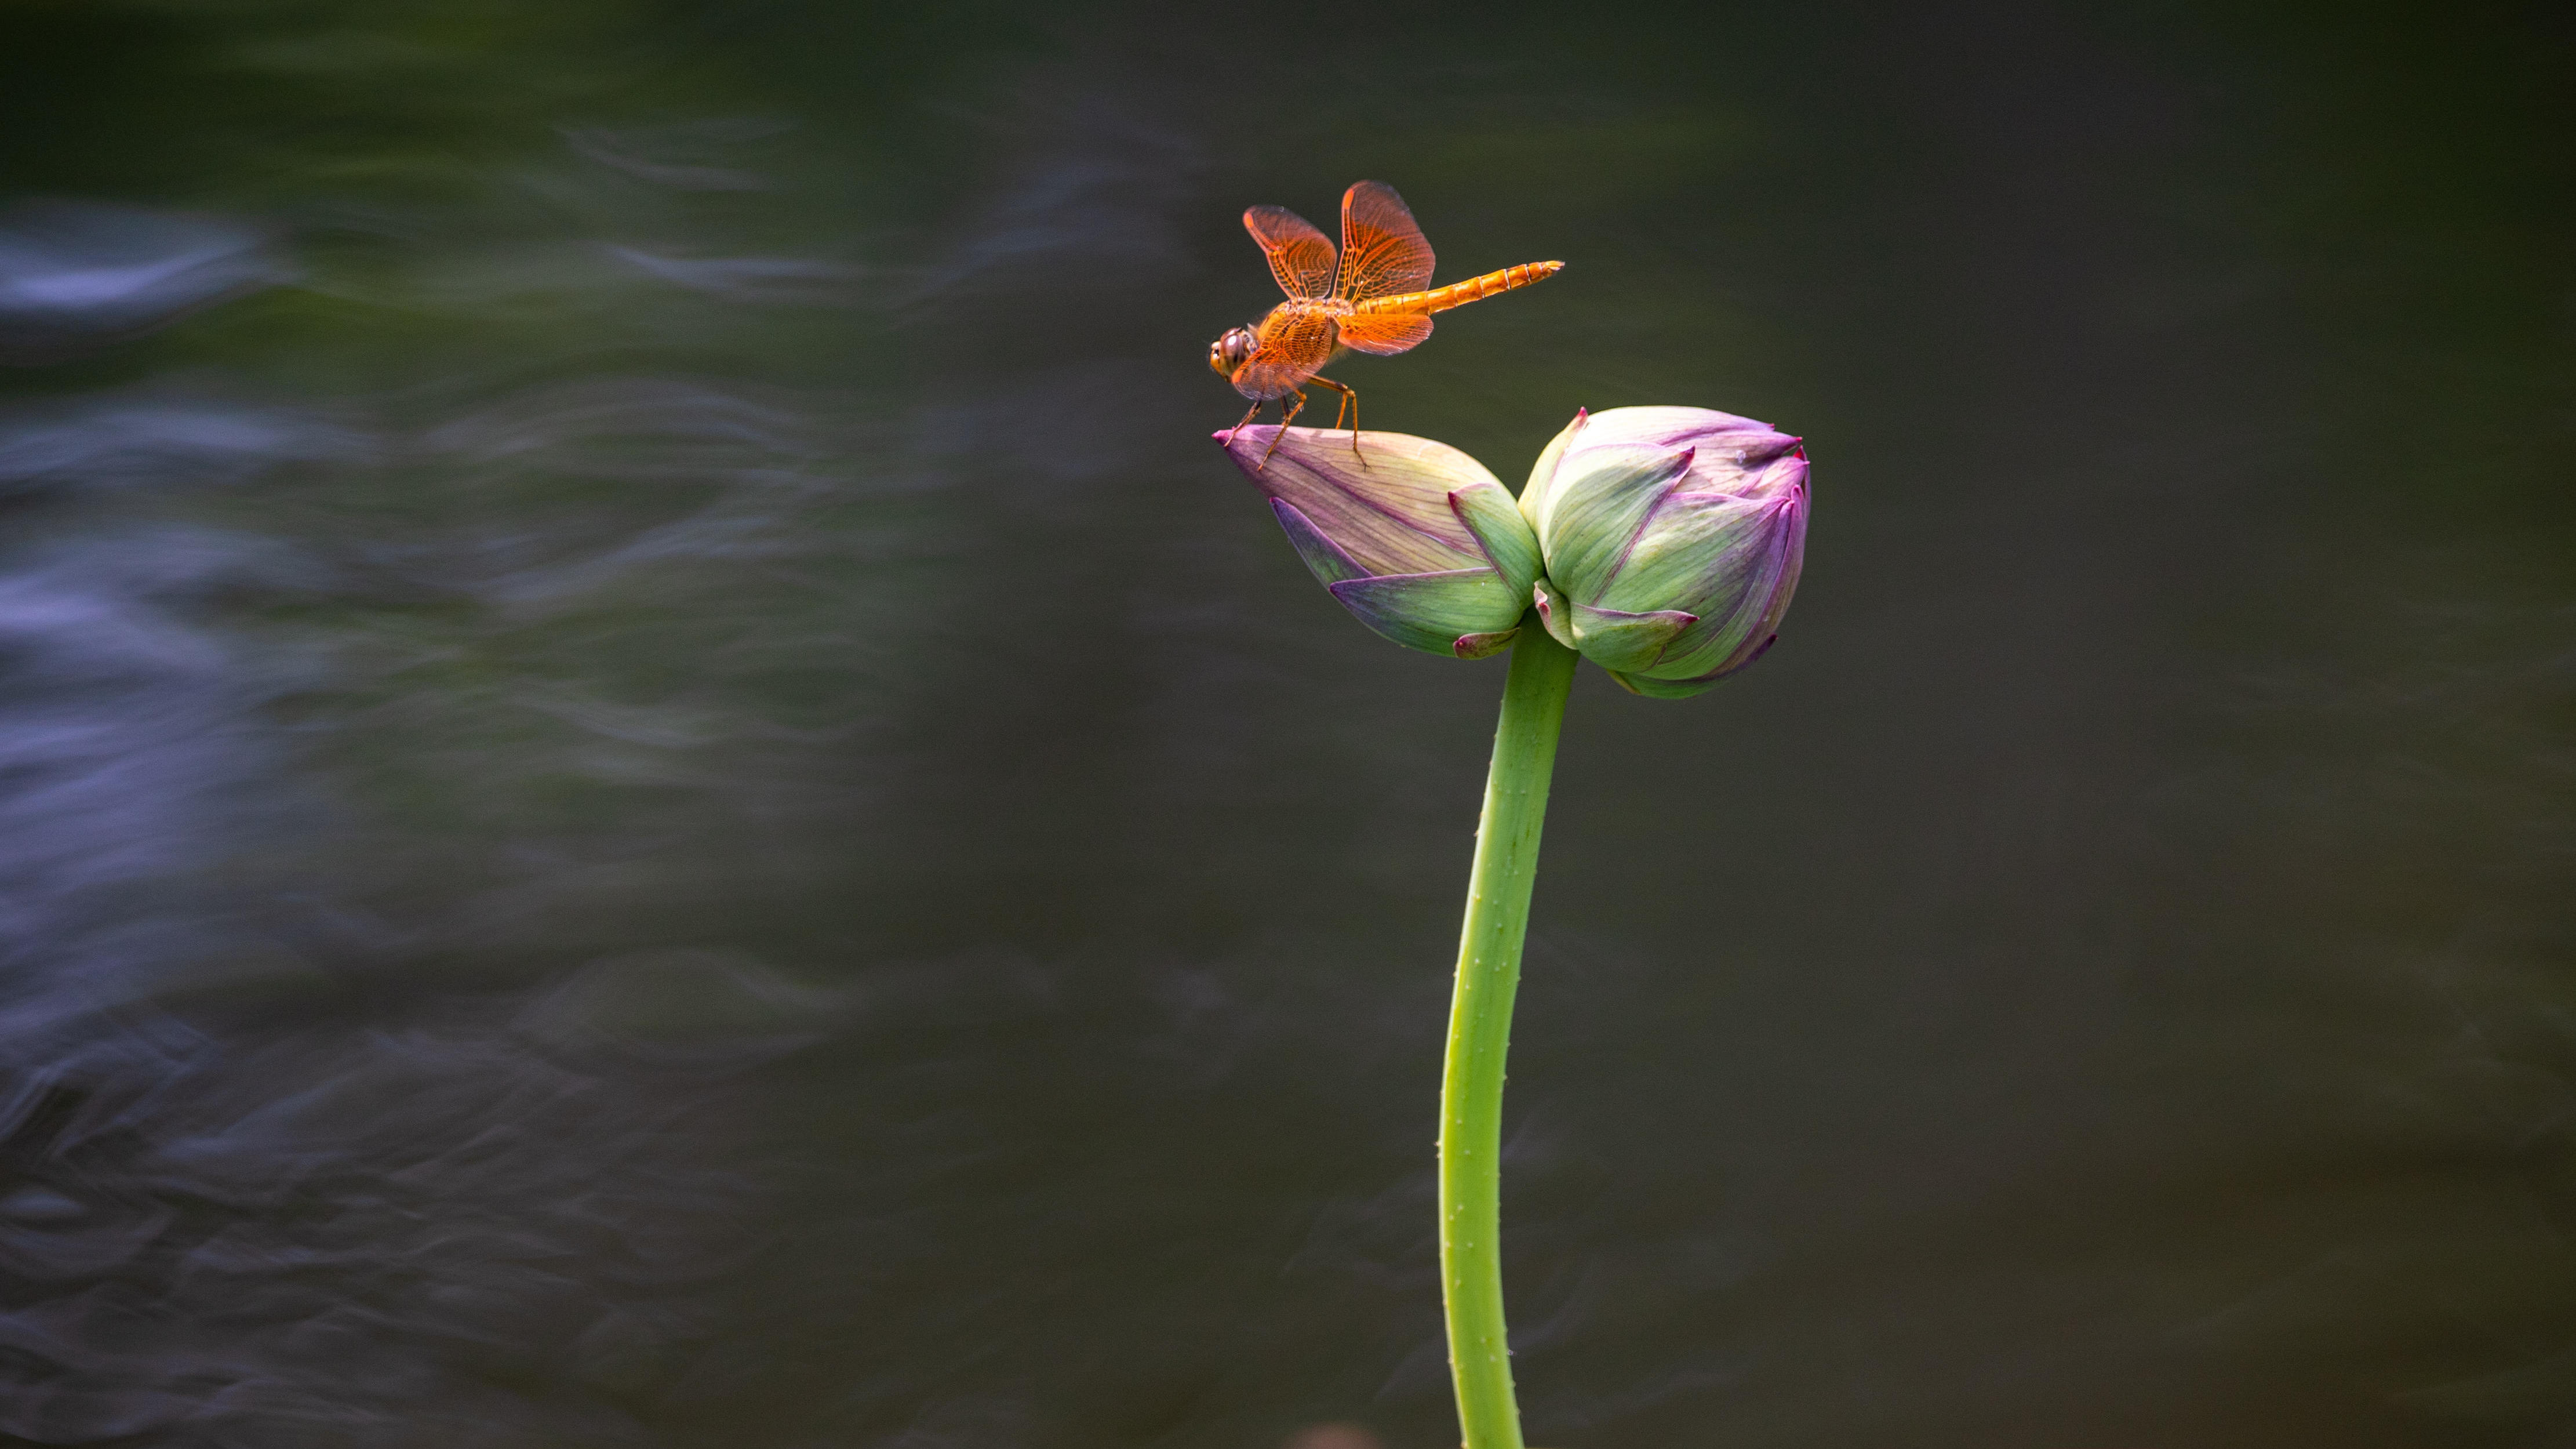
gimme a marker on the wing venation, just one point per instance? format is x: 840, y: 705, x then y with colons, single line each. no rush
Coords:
x: 1385, y: 333
x: 1383, y: 250
x: 1300, y: 256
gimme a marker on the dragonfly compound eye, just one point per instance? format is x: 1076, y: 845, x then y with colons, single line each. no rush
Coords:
x: 1233, y: 350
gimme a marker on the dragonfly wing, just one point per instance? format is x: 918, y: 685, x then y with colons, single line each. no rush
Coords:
x: 1300, y: 256
x: 1294, y: 347
x: 1384, y: 333
x: 1383, y: 251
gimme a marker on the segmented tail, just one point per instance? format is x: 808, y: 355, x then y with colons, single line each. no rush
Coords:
x: 1459, y: 294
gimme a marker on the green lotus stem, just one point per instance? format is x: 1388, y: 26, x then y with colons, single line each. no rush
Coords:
x: 1480, y: 1030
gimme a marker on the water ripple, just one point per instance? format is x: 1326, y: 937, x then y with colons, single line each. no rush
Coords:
x: 75, y: 274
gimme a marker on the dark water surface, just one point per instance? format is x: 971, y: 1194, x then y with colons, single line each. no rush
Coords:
x: 654, y: 791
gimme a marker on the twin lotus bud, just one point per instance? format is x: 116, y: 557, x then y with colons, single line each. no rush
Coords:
x: 1661, y: 543
x: 1421, y: 543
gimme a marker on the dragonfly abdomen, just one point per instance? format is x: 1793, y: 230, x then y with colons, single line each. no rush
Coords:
x: 1459, y: 294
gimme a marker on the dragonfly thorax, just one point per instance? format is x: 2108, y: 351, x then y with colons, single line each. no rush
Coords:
x: 1231, y: 351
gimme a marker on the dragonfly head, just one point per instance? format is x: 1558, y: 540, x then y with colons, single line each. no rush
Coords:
x: 1231, y: 351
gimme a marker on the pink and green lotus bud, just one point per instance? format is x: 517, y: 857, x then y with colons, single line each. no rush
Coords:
x: 1672, y: 539
x: 1413, y: 536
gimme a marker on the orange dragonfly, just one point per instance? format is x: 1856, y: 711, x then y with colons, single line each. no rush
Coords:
x: 1371, y: 302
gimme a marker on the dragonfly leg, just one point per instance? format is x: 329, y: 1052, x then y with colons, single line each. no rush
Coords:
x: 1350, y: 405
x: 1238, y: 426
x: 1288, y: 415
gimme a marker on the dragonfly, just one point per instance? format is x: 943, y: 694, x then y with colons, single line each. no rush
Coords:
x: 1370, y: 299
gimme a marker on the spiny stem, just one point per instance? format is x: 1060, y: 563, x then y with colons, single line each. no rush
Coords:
x: 1480, y: 1028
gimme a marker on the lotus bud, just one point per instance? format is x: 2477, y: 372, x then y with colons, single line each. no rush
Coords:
x: 1672, y: 538
x: 1414, y: 537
